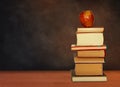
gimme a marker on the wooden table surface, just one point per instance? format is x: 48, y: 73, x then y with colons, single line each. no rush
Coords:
x: 52, y: 79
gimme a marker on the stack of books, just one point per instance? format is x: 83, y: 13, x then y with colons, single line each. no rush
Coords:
x: 90, y: 54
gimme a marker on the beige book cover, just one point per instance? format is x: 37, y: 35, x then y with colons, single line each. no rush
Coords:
x: 85, y: 78
x: 90, y: 30
x: 89, y: 39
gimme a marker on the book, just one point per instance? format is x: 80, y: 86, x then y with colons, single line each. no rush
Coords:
x: 91, y: 53
x: 95, y: 78
x: 76, y: 48
x: 88, y: 69
x: 89, y: 39
x: 90, y: 36
x: 88, y: 60
x: 90, y: 30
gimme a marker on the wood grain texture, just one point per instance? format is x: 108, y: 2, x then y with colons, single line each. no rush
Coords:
x: 52, y: 79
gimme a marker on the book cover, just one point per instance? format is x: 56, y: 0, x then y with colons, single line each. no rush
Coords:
x: 91, y: 53
x: 88, y: 69
x: 90, y: 30
x: 95, y: 78
x: 76, y: 48
x: 88, y: 60
x: 87, y: 39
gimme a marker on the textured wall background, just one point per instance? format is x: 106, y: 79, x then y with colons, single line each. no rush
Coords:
x: 37, y: 34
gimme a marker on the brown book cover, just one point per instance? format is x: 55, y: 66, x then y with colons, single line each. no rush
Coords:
x: 88, y: 60
x: 91, y: 53
x: 88, y: 69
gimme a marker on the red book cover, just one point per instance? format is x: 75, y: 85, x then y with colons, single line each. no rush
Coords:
x: 75, y: 47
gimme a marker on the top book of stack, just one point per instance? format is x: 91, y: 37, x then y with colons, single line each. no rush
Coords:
x: 90, y: 36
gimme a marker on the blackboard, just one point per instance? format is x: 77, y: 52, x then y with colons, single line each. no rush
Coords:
x: 37, y: 34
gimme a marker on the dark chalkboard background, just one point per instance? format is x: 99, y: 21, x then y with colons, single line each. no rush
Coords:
x: 37, y: 34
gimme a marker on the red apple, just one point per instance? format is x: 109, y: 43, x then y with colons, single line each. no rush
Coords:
x: 87, y: 18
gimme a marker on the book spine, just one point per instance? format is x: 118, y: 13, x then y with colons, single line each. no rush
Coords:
x: 88, y: 60
x: 90, y: 30
x: 88, y: 48
x: 91, y: 53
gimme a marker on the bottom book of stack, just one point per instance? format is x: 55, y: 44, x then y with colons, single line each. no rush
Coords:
x: 87, y: 78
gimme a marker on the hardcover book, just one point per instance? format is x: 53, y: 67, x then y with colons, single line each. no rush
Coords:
x: 89, y: 39
x: 90, y: 30
x: 89, y: 36
x: 88, y: 60
x: 77, y: 48
x: 91, y: 53
x: 91, y: 78
x: 88, y: 69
